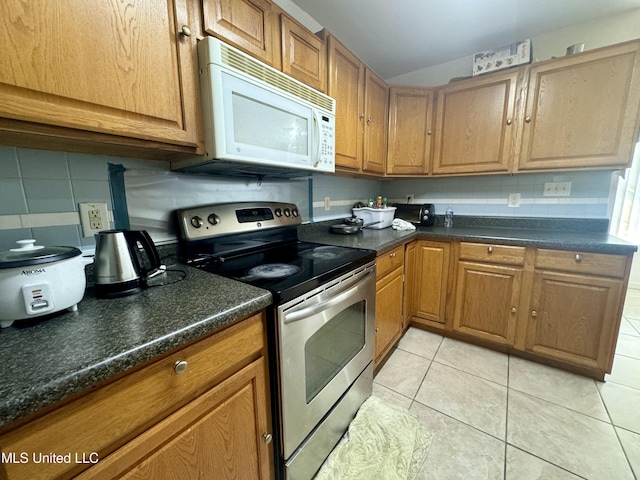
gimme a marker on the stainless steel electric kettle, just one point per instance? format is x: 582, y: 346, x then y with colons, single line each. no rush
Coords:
x: 121, y: 267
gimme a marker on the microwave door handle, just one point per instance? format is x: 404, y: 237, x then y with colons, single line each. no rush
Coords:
x: 316, y: 138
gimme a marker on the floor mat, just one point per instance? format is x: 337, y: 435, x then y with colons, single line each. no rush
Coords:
x: 384, y: 442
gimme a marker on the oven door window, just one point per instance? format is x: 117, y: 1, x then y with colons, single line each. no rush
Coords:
x: 329, y: 349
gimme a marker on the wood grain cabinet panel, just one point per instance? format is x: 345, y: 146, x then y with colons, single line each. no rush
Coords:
x: 410, y: 130
x: 123, y: 69
x: 304, y: 55
x: 147, y: 408
x: 583, y: 110
x: 376, y: 96
x: 486, y: 301
x: 475, y: 125
x: 574, y: 318
x: 431, y: 282
x: 250, y: 25
x: 389, y: 318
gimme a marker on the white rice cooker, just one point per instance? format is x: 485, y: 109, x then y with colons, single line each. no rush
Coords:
x: 37, y: 280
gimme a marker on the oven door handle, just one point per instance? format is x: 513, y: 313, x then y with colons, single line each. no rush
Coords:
x: 336, y: 300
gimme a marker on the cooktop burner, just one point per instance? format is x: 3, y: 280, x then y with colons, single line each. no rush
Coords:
x: 257, y: 243
x: 291, y: 269
x: 273, y: 270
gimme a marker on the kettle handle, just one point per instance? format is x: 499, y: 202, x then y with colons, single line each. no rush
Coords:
x: 142, y: 236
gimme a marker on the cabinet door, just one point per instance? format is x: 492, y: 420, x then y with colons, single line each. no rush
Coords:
x: 304, y: 55
x: 431, y: 279
x: 475, y: 125
x: 218, y: 435
x: 376, y: 123
x: 410, y: 130
x: 346, y: 86
x: 583, y: 110
x: 388, y: 312
x: 486, y: 301
x: 119, y: 68
x: 250, y: 25
x: 574, y: 318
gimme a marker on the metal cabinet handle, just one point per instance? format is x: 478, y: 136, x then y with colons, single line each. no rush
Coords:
x: 509, y: 121
x: 266, y: 438
x: 377, y: 329
x: 534, y: 313
x: 185, y: 30
x: 490, y: 249
x: 514, y: 309
x: 180, y: 367
x: 361, y: 116
x: 392, y: 255
x: 527, y: 118
x: 578, y: 257
x: 429, y: 132
x: 369, y: 120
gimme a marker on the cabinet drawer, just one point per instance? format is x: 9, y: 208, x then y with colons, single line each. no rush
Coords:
x: 593, y: 263
x: 106, y: 418
x: 389, y: 261
x: 486, y: 252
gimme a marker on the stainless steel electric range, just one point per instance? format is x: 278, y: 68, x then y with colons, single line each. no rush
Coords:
x: 320, y: 327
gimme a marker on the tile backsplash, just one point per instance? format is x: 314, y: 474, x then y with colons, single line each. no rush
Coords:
x: 40, y: 191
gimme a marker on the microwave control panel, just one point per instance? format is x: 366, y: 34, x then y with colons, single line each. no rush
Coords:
x: 326, y: 160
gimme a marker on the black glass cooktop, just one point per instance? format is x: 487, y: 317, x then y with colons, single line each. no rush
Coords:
x: 291, y: 269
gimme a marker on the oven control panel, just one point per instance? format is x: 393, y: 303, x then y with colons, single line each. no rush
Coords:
x: 206, y: 221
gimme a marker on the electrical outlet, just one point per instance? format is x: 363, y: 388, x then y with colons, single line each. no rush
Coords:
x: 327, y: 204
x: 557, y: 189
x: 94, y: 217
x: 514, y: 200
x: 409, y: 198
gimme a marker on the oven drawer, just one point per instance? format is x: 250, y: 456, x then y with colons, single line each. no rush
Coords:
x: 389, y: 261
x: 485, y: 252
x: 580, y: 262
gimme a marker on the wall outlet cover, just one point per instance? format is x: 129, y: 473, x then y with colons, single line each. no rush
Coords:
x: 94, y: 217
x: 514, y: 200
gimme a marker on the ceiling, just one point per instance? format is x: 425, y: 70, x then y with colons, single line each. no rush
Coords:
x: 438, y: 31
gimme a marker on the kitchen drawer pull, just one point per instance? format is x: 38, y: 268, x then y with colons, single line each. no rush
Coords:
x: 509, y: 121
x: 534, y: 313
x: 578, y: 257
x: 392, y: 255
x: 185, y: 30
x: 180, y: 367
x: 514, y: 309
x: 266, y: 438
x: 490, y: 249
x: 429, y: 132
x: 527, y: 119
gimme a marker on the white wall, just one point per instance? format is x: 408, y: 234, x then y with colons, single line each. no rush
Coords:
x: 594, y: 34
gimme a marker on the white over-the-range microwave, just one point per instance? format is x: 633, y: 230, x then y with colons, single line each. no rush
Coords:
x: 258, y: 120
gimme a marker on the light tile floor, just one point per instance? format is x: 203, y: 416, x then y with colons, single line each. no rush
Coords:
x: 496, y: 416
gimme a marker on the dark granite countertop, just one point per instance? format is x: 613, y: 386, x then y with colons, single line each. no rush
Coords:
x: 48, y: 360
x: 585, y: 235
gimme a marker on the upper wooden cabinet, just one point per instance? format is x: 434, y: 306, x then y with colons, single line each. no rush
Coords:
x: 475, y: 125
x: 582, y: 110
x: 361, y: 110
x: 126, y: 69
x: 410, y: 130
x: 304, y: 54
x: 250, y: 25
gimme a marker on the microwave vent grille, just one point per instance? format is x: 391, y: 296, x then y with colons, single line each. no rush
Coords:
x: 249, y: 66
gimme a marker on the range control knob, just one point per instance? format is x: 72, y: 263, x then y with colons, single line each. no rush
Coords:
x: 278, y: 212
x: 213, y: 219
x: 295, y: 212
x: 287, y: 212
x: 197, y: 222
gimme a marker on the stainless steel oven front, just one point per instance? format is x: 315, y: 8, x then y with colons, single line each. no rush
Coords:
x: 325, y: 354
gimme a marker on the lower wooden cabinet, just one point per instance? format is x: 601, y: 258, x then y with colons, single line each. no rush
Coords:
x: 389, y: 303
x: 431, y: 282
x: 486, y: 301
x: 574, y: 316
x: 161, y: 421
x: 555, y: 306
